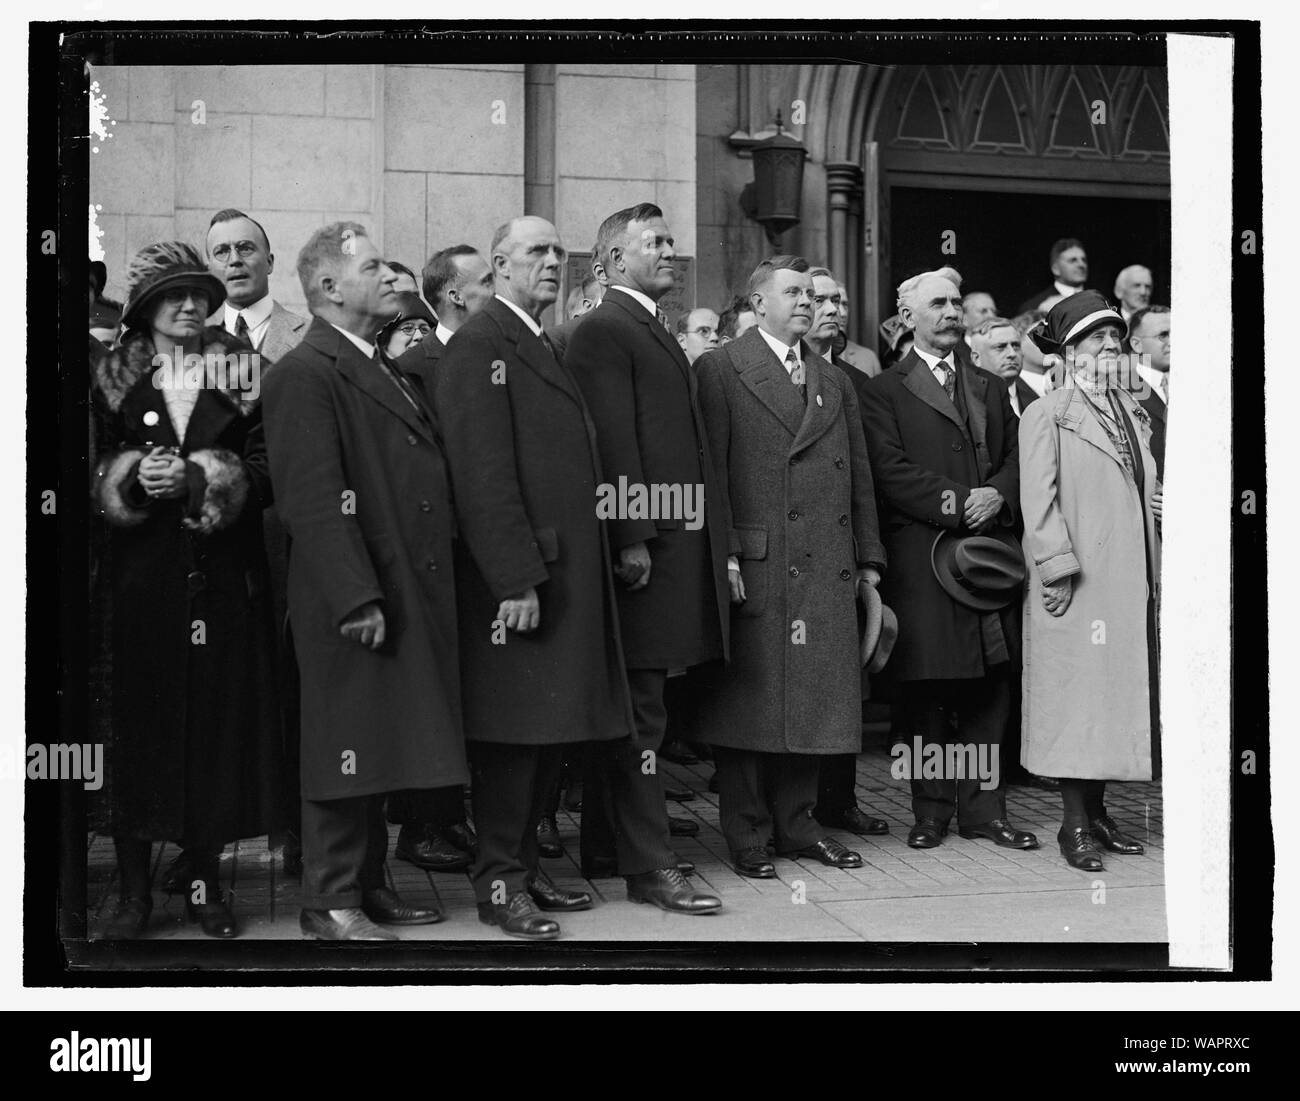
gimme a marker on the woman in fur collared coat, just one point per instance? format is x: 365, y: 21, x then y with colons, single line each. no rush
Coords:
x: 180, y: 481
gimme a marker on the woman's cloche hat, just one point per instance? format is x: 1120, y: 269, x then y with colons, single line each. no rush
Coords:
x: 161, y: 267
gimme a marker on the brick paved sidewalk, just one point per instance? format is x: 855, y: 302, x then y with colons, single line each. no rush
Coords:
x: 961, y: 891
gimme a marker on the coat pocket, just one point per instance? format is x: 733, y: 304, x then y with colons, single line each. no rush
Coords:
x: 548, y: 543
x: 753, y: 571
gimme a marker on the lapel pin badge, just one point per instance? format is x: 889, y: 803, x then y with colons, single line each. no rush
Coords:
x: 151, y: 418
x: 819, y: 399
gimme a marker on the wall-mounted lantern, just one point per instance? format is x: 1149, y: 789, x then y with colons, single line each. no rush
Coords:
x: 774, y: 197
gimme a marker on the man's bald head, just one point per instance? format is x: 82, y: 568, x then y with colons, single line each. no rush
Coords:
x: 527, y: 257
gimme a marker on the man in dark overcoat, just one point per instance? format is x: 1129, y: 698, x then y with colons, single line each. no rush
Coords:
x: 786, y: 437
x: 943, y: 445
x: 541, y: 665
x: 672, y: 605
x: 362, y: 488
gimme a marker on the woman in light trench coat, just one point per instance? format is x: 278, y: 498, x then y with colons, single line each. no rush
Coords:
x: 1091, y: 504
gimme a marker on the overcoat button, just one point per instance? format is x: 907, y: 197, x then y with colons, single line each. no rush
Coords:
x: 956, y: 447
x: 431, y: 566
x: 845, y: 575
x: 794, y: 459
x: 425, y: 506
x: 794, y: 514
x: 411, y: 438
x: 794, y: 571
x: 839, y: 464
x: 196, y: 580
x: 844, y: 520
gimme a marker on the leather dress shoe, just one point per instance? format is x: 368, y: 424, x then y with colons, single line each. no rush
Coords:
x: 855, y: 820
x: 550, y: 897
x: 1113, y: 838
x: 214, y: 917
x: 387, y: 907
x: 683, y: 827
x: 1043, y: 783
x: 518, y: 917
x: 548, y: 838
x: 573, y: 797
x: 463, y: 837
x: 1080, y: 850
x: 347, y: 924
x: 130, y: 918
x: 679, y: 753
x: 754, y: 863
x: 427, y: 848
x: 928, y: 833
x: 1000, y: 831
x: 678, y: 795
x: 667, y: 888
x: 606, y: 867
x: 831, y: 852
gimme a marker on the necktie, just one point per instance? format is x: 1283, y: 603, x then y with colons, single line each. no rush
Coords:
x: 241, y: 327
x: 549, y: 346
x: 1164, y: 388
x: 795, y: 369
x: 399, y: 382
x: 662, y: 318
x: 949, y: 381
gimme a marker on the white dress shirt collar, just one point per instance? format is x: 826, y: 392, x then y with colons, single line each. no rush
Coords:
x: 1063, y: 290
x: 781, y: 350
x: 367, y: 350
x: 533, y: 327
x: 443, y: 334
x: 644, y: 299
x: 256, y: 316
x: 1154, y: 379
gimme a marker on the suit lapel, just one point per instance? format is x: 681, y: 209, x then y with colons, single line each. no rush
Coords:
x: 366, y: 376
x: 824, y: 399
x: 1075, y: 416
x: 975, y: 389
x: 282, y: 334
x: 921, y: 382
x: 642, y: 316
x: 532, y: 352
x: 765, y: 377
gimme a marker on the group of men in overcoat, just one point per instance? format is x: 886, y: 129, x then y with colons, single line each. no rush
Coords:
x: 461, y: 612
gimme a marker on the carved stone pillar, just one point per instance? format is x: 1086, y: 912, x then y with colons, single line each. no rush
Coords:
x: 843, y: 229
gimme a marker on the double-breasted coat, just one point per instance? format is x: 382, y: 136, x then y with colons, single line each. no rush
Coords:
x: 644, y: 399
x: 799, y: 490
x: 926, y: 456
x: 195, y: 724
x: 361, y: 485
x: 525, y: 467
x: 1087, y: 673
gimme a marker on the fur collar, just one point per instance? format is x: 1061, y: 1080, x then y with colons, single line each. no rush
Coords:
x: 121, y: 369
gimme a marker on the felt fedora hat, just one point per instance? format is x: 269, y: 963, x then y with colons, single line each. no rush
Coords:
x: 983, y: 572
x: 879, y: 629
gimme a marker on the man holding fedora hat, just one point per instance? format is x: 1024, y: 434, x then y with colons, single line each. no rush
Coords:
x: 942, y: 440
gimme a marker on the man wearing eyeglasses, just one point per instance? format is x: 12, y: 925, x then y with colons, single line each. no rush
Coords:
x: 697, y: 333
x: 239, y: 254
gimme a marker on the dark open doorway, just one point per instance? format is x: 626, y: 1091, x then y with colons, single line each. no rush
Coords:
x: 1003, y: 239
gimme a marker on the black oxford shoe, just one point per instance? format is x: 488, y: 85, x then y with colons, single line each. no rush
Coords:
x: 387, y: 907
x: 1113, y: 838
x: 347, y: 924
x: 518, y: 917
x: 550, y: 897
x: 667, y: 888
x: 427, y: 848
x: 1080, y: 850
x: 548, y: 839
x: 679, y: 753
x: 855, y: 820
x: 678, y: 795
x: 928, y: 833
x: 214, y: 917
x: 462, y: 837
x: 754, y: 863
x: 130, y: 918
x: 683, y: 827
x: 830, y: 852
x: 999, y: 831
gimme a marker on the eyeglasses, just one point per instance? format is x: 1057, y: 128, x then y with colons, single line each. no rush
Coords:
x: 704, y: 332
x: 244, y: 248
x: 410, y: 328
x: 176, y: 296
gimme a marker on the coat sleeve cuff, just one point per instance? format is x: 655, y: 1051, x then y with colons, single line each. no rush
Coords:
x: 218, y: 489
x: 115, y: 491
x: 1052, y: 569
